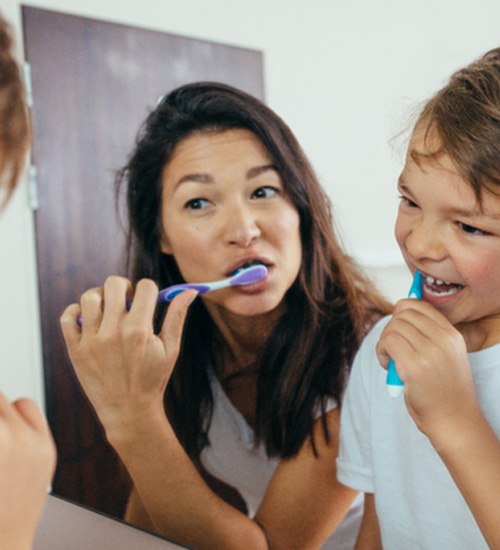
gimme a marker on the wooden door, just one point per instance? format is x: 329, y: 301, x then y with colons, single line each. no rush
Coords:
x: 93, y: 83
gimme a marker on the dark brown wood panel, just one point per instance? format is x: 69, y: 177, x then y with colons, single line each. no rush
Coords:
x: 93, y: 84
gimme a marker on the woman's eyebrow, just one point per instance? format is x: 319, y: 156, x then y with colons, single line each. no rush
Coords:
x: 196, y: 177
x: 200, y: 177
x: 258, y: 170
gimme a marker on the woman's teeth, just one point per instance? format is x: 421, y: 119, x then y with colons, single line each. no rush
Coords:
x: 244, y: 266
x: 437, y: 287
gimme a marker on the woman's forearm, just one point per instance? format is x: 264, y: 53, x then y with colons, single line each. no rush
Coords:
x: 175, y: 497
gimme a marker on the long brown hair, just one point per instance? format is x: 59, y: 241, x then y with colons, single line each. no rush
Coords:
x: 330, y: 306
x: 14, y: 135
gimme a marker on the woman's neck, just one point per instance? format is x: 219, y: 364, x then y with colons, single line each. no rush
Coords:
x: 239, y: 340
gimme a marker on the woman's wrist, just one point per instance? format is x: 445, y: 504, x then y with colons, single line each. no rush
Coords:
x: 126, y: 429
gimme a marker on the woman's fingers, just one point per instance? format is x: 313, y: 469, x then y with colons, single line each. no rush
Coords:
x: 91, y: 303
x: 114, y: 295
x: 144, y: 303
x: 69, y: 324
x: 173, y: 324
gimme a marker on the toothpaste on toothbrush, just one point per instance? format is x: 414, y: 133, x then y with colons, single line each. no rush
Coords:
x: 394, y: 383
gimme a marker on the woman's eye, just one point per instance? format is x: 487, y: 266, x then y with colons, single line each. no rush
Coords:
x: 407, y: 202
x: 196, y: 204
x: 265, y: 192
x: 471, y: 230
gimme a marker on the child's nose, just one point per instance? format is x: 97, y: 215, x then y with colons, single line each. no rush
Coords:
x: 241, y: 226
x: 426, y: 242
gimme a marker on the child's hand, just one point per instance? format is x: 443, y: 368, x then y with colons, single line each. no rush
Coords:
x: 122, y: 365
x: 27, y: 462
x: 431, y: 359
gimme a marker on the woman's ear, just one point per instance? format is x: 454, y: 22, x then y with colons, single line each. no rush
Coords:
x: 165, y: 246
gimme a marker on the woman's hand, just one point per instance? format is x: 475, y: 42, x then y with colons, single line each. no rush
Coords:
x: 27, y: 462
x: 431, y: 359
x: 122, y: 365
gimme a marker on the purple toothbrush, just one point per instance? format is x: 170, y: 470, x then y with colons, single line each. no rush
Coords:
x: 246, y: 276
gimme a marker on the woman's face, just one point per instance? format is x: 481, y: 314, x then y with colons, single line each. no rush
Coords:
x: 223, y: 207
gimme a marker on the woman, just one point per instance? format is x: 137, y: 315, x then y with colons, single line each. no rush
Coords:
x: 246, y: 389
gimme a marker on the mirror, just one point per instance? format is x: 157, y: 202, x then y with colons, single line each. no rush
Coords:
x: 106, y: 85
x: 371, y: 72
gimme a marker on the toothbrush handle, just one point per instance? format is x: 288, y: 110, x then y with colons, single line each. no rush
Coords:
x: 169, y: 293
x: 394, y: 384
x: 246, y: 276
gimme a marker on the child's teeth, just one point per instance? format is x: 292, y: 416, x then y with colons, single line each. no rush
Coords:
x: 432, y: 284
x: 431, y: 281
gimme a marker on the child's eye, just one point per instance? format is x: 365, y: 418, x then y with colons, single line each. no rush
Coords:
x: 265, y: 192
x: 471, y: 230
x: 196, y: 204
x: 407, y: 202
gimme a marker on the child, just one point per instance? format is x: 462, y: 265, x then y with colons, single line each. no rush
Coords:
x: 27, y: 451
x: 429, y: 463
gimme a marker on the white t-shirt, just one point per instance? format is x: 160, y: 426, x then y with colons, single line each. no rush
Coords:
x: 232, y: 458
x: 383, y: 452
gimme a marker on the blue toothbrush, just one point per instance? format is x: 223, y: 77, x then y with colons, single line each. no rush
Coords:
x: 394, y: 383
x: 244, y: 276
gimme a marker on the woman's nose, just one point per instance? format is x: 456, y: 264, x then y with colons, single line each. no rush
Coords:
x: 241, y: 226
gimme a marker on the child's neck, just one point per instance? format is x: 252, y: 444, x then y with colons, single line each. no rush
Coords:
x: 480, y: 334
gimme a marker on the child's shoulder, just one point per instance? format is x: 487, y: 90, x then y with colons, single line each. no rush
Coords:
x: 367, y: 348
x: 374, y: 333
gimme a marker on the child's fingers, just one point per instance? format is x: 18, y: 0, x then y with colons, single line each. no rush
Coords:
x: 397, y: 345
x: 427, y: 311
x: 405, y: 336
x: 5, y: 407
x: 425, y: 326
x: 31, y: 413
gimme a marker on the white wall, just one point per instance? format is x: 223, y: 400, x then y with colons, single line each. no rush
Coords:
x: 343, y: 74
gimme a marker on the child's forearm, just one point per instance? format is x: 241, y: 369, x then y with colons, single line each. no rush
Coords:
x: 472, y: 457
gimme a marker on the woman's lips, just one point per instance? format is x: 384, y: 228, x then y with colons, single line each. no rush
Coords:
x: 253, y: 288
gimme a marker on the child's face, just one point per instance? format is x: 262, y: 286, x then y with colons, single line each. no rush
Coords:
x: 443, y: 232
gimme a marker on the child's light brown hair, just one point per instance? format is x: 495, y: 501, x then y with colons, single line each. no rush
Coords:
x: 14, y: 134
x: 462, y: 120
